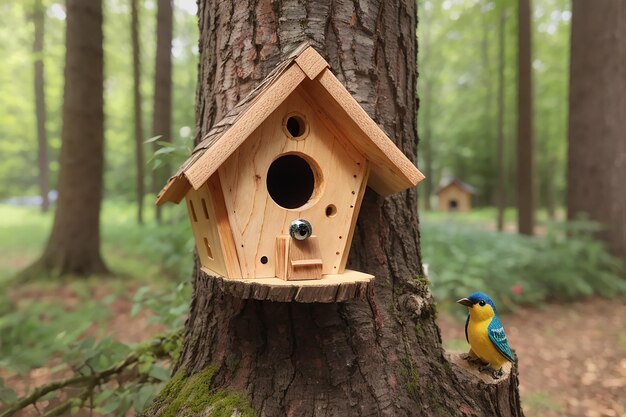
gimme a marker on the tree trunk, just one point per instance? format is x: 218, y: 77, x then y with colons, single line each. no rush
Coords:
x: 501, y: 188
x: 74, y: 243
x: 597, y: 148
x: 525, y: 173
x: 162, y: 111
x: 139, y: 138
x: 382, y: 356
x: 427, y: 98
x: 40, y: 104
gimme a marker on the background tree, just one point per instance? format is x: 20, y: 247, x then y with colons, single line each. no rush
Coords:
x: 525, y: 173
x: 74, y: 243
x: 597, y: 149
x: 162, y: 110
x: 39, y: 20
x: 383, y: 356
x: 500, y: 156
x: 139, y: 137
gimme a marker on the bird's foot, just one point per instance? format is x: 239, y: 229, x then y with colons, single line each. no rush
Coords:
x: 472, y: 359
x: 496, y: 374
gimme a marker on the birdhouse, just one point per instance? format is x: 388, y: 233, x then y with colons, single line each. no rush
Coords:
x: 273, y: 190
x: 455, y: 195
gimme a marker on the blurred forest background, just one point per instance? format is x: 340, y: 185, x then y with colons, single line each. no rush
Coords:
x: 495, y: 113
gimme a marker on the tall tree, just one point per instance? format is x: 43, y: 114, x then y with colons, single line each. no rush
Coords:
x: 162, y: 110
x: 382, y: 356
x: 500, y: 156
x: 597, y: 148
x: 134, y: 28
x: 525, y: 174
x: 426, y: 83
x: 40, y: 103
x: 74, y: 243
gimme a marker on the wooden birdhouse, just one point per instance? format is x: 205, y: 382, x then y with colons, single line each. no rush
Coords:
x: 455, y: 195
x: 274, y: 189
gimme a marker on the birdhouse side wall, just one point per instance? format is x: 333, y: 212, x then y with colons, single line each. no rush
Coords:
x: 256, y: 219
x: 454, y: 193
x: 204, y: 224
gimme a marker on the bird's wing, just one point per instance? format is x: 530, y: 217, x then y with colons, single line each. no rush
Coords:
x: 498, y: 338
x: 466, y: 325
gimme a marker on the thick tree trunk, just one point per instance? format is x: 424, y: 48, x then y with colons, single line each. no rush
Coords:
x: 74, y: 243
x: 40, y: 104
x: 162, y: 110
x: 382, y: 356
x: 427, y: 98
x: 525, y: 173
x: 597, y: 148
x: 500, y: 187
x: 137, y: 108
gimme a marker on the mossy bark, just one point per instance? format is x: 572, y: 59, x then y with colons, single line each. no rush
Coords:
x: 379, y: 357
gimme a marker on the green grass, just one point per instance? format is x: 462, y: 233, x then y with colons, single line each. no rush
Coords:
x: 142, y: 253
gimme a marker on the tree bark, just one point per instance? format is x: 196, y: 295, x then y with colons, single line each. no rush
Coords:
x: 525, y: 173
x: 139, y: 138
x: 162, y: 111
x: 382, y: 356
x: 40, y: 104
x: 74, y: 243
x: 427, y: 97
x: 597, y: 148
x: 501, y: 174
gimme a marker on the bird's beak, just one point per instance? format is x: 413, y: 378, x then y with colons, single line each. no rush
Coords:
x: 465, y: 301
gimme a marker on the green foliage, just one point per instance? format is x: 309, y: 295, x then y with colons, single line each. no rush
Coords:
x: 565, y: 264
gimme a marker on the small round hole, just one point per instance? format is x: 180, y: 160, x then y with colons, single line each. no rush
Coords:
x: 295, y: 126
x: 264, y: 260
x: 331, y: 210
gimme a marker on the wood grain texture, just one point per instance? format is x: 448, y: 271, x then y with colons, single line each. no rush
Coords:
x: 349, y: 286
x: 257, y: 220
x: 204, y: 224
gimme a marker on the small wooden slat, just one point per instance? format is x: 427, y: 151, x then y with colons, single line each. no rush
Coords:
x: 231, y: 260
x: 174, y: 191
x: 392, y: 171
x: 311, y: 62
x: 355, y: 217
x: 252, y: 117
x: 282, y: 255
x: 305, y: 259
x: 351, y: 285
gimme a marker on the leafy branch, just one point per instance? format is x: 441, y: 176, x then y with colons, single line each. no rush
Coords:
x: 139, y: 364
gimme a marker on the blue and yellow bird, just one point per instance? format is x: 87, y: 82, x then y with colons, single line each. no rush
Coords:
x: 485, y: 334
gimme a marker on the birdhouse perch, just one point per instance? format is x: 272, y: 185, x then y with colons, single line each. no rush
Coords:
x: 274, y: 189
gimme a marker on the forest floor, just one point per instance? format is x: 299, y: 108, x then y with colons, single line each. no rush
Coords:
x: 572, y: 357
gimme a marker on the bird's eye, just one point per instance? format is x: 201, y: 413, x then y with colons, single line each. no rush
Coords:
x: 481, y: 303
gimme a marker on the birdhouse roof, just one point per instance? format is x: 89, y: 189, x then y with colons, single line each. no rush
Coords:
x: 455, y: 182
x: 391, y: 170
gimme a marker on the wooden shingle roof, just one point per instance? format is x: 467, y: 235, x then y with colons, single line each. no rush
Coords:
x: 391, y: 171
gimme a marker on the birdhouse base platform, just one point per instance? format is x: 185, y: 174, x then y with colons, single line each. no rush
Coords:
x: 332, y: 288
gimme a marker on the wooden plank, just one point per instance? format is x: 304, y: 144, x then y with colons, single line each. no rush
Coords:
x: 173, y: 191
x: 311, y: 62
x: 357, y: 208
x: 305, y: 261
x: 231, y: 260
x: 205, y: 229
x: 351, y: 285
x: 252, y: 117
x: 282, y: 255
x: 392, y: 171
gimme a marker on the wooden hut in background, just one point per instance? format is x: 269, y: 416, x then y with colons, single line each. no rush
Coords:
x: 455, y: 195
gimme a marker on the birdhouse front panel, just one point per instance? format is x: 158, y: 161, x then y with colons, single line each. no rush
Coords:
x: 296, y: 165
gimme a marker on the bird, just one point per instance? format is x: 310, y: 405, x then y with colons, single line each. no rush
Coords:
x: 485, y: 334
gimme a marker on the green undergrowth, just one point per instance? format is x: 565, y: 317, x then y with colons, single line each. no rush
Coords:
x: 564, y: 264
x: 190, y: 396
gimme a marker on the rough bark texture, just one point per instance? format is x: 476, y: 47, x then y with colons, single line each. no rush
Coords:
x: 500, y: 186
x: 139, y: 138
x: 162, y: 110
x: 382, y: 356
x: 74, y: 243
x: 597, y: 148
x: 525, y: 173
x: 40, y: 104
